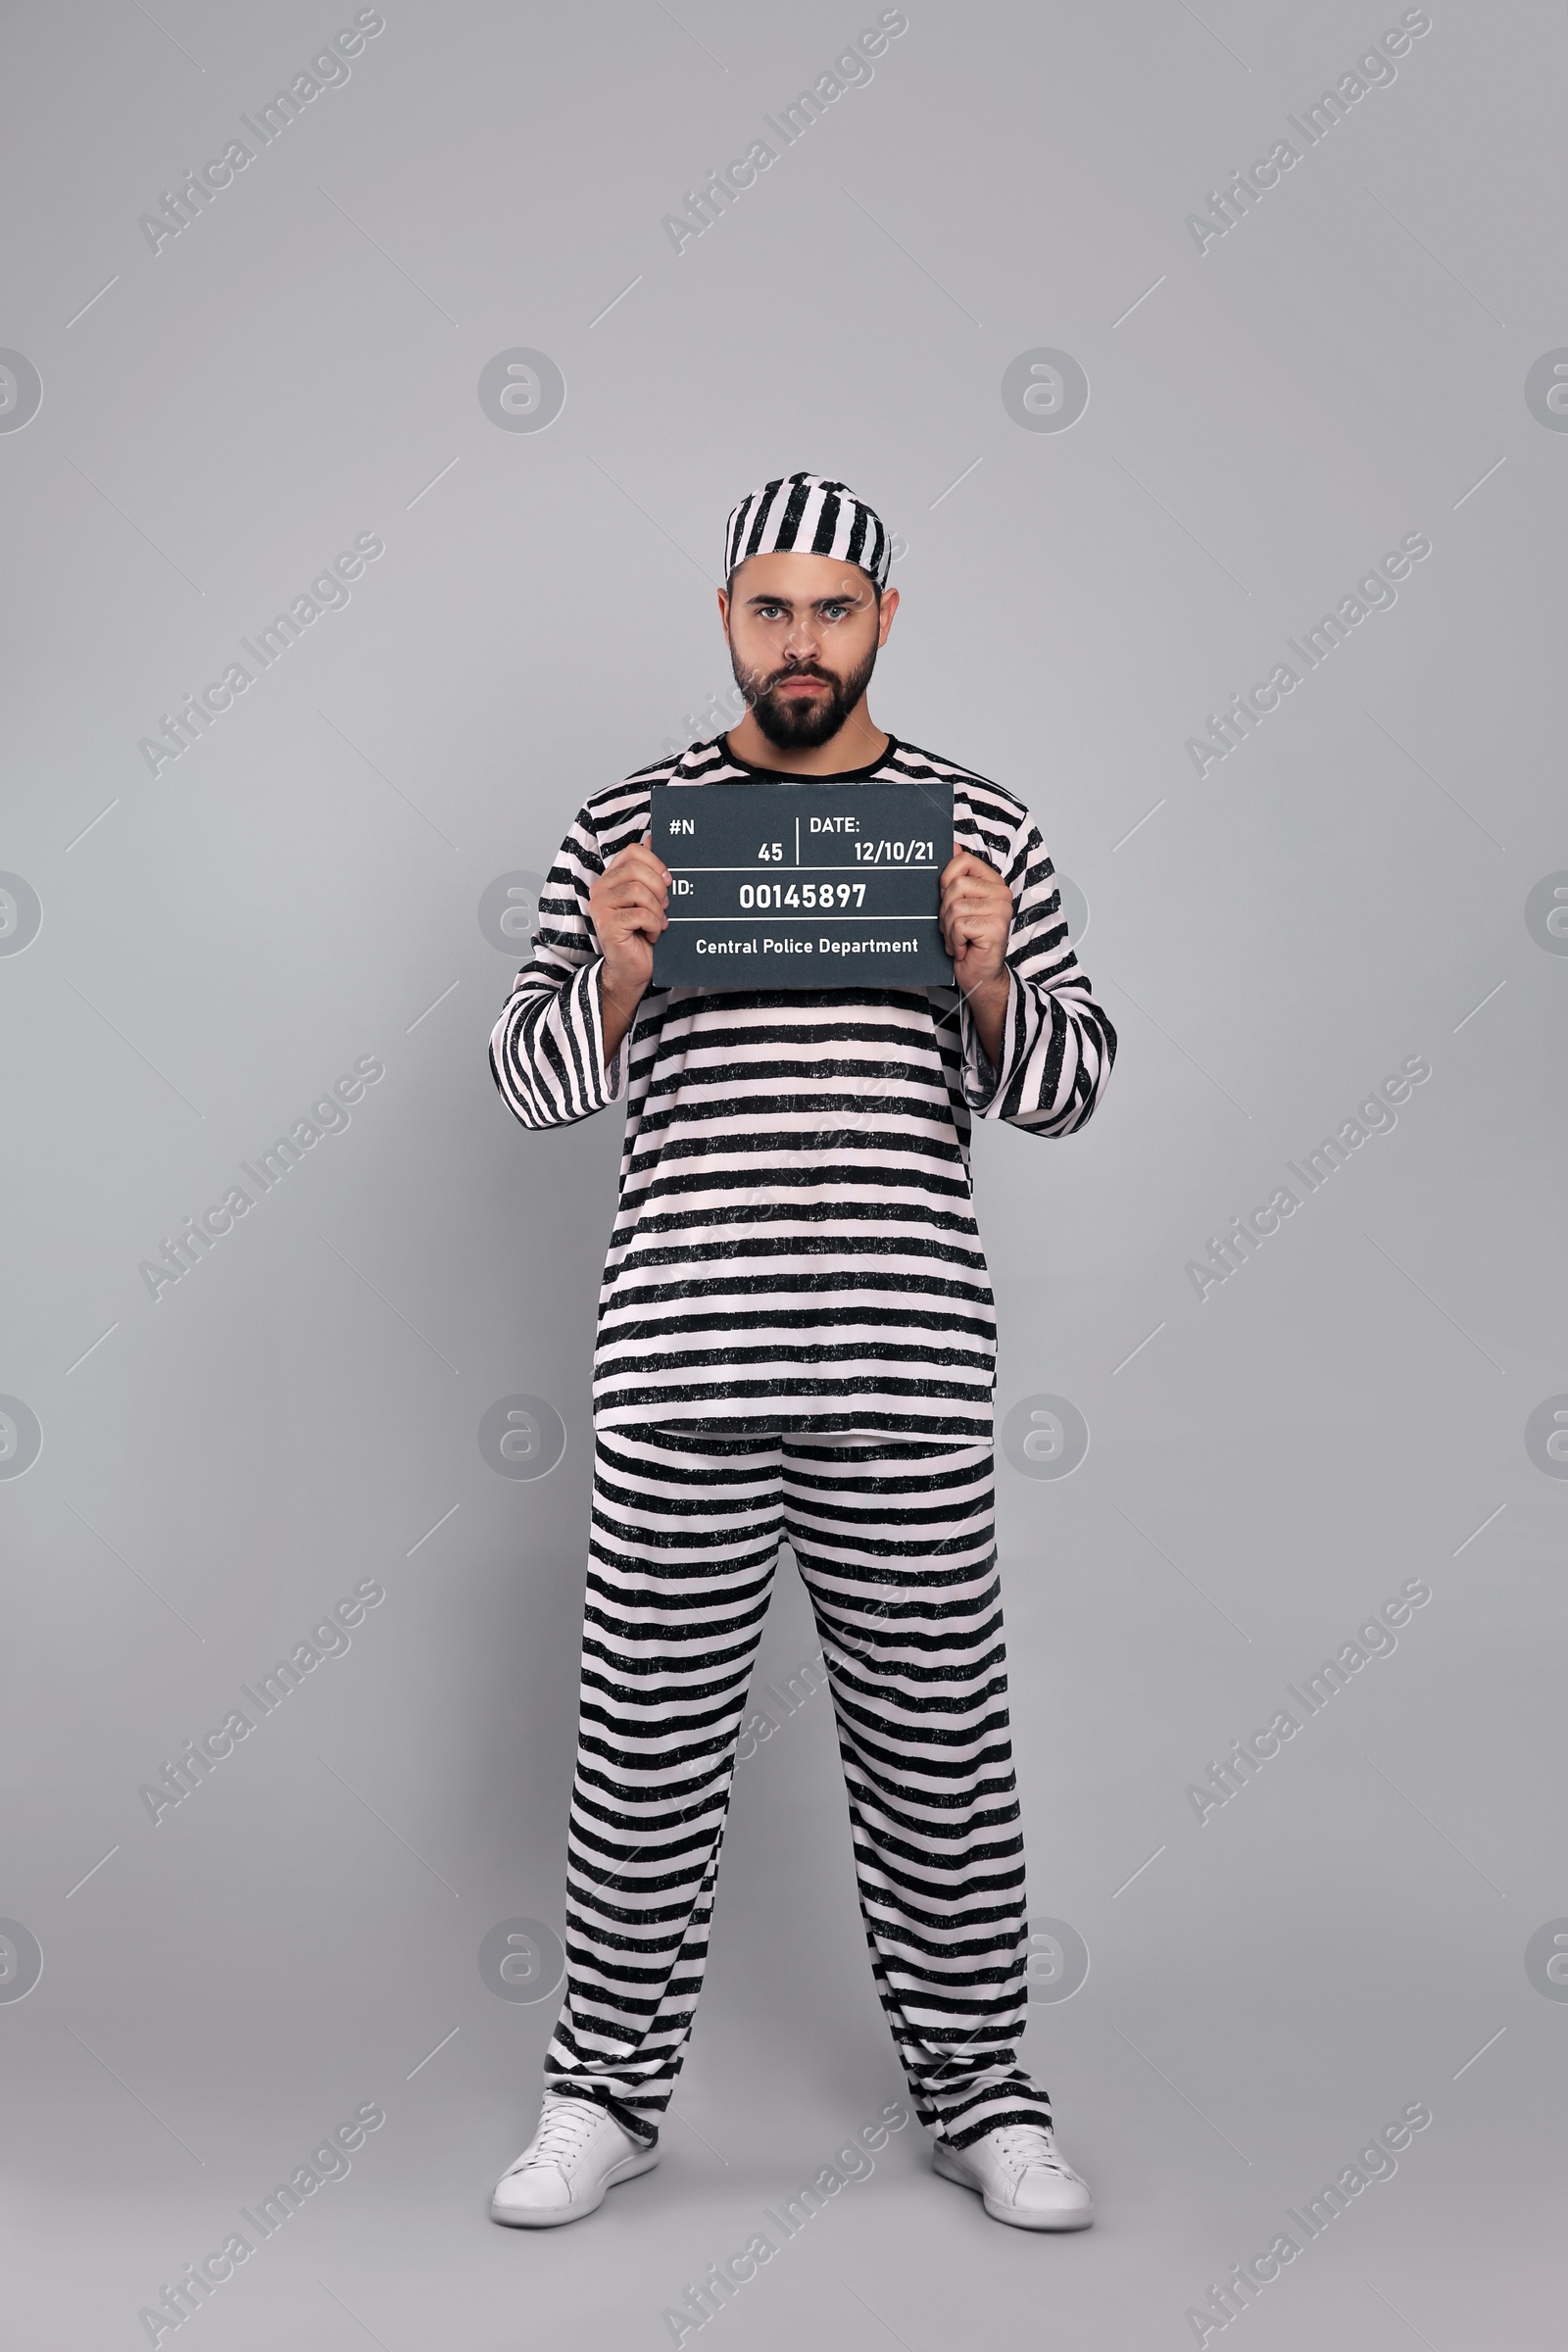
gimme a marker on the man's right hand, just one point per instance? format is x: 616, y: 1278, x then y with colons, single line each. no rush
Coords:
x: 626, y: 908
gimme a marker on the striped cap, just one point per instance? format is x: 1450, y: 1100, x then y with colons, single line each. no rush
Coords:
x: 803, y: 515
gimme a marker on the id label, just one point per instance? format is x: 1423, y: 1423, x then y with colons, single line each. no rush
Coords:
x: 803, y: 885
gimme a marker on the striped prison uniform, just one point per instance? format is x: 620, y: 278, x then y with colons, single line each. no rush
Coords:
x: 797, y: 1340
x: 795, y: 1245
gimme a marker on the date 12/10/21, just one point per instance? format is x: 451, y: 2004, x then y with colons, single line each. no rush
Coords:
x: 866, y: 853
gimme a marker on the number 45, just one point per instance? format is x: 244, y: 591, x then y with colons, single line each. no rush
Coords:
x: 771, y: 851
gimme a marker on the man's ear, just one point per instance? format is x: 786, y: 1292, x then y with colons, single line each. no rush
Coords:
x: 890, y: 605
x: 724, y: 609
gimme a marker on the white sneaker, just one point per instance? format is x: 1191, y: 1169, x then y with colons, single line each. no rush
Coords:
x: 1022, y: 2178
x: 578, y: 2151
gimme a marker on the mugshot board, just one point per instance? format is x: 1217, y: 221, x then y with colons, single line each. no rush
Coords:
x: 803, y: 885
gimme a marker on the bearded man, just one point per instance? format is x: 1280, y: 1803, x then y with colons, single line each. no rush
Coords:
x: 796, y: 1340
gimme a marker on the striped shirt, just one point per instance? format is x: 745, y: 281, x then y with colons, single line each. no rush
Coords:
x: 795, y: 1245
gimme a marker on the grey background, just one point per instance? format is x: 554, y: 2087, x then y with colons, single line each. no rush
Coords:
x: 301, y: 889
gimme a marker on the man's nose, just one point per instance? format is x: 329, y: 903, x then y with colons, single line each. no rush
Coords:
x: 801, y: 636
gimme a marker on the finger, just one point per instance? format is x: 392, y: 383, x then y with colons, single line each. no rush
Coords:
x: 974, y: 926
x: 631, y: 880
x: 636, y: 910
x: 618, y: 934
x: 976, y: 900
x: 633, y: 892
x: 636, y: 855
x: 630, y: 912
x: 968, y: 864
x: 964, y: 890
x: 643, y: 875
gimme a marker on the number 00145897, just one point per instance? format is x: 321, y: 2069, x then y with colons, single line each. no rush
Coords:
x: 821, y: 894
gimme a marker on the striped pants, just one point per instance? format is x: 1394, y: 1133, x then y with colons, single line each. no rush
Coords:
x: 895, y: 1543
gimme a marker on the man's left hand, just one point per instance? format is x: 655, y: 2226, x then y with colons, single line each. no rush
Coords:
x: 976, y: 919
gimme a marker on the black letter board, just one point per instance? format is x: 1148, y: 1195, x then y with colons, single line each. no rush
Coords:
x: 803, y: 885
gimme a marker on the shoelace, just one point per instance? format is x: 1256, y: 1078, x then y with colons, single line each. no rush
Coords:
x: 1022, y: 2145
x: 563, y: 2135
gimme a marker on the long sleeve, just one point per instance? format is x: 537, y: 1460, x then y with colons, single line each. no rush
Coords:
x: 547, y: 1051
x: 1057, y: 1044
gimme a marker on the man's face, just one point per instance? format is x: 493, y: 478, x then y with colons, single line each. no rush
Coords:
x: 803, y: 636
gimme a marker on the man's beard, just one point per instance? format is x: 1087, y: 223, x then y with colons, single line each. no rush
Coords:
x: 800, y: 725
